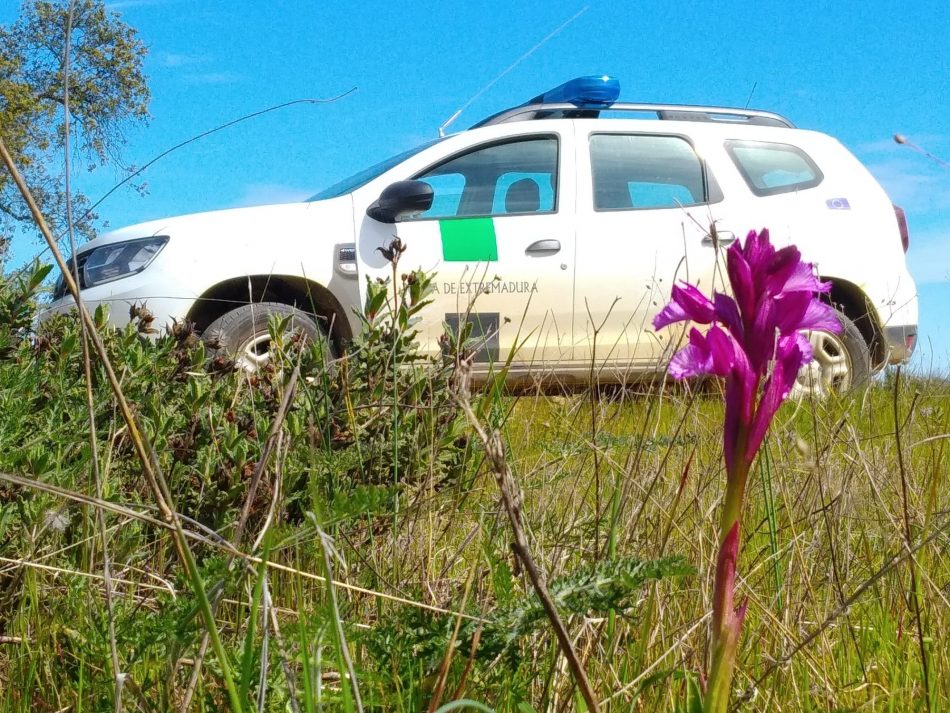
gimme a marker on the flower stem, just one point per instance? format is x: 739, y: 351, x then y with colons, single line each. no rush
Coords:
x: 735, y: 490
x: 727, y: 621
x: 723, y: 665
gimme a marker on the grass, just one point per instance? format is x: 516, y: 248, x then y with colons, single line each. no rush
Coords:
x: 822, y: 518
x: 430, y: 608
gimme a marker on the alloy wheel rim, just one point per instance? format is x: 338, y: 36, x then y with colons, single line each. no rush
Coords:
x: 254, y: 353
x: 830, y: 370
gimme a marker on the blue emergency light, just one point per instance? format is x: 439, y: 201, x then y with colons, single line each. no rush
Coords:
x: 590, y: 95
x: 599, y: 90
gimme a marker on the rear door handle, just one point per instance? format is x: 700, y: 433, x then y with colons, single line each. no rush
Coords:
x: 725, y: 237
x: 540, y: 248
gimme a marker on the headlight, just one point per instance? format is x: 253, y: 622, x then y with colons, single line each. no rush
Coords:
x: 111, y: 262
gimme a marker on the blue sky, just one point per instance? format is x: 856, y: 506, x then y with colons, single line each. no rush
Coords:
x: 859, y: 71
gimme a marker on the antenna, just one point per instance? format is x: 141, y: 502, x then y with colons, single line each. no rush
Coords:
x: 518, y: 61
x: 749, y: 100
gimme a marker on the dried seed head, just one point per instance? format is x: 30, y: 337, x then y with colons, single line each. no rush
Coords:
x: 56, y: 520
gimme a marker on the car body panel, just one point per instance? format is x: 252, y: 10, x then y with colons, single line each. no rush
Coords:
x: 591, y: 294
x: 205, y: 249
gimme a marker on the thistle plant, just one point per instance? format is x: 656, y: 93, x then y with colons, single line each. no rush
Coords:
x: 755, y: 342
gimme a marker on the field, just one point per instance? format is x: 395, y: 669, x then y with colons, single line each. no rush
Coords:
x: 371, y: 475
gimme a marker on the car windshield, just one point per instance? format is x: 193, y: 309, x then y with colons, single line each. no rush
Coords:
x: 350, y: 184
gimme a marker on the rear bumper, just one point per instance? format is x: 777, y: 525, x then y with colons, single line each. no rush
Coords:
x: 899, y: 342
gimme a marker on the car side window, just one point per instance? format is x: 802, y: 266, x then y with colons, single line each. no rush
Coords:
x: 771, y: 168
x: 516, y: 177
x: 447, y: 189
x: 644, y: 171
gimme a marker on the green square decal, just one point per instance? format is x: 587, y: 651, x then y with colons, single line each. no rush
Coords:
x: 468, y: 240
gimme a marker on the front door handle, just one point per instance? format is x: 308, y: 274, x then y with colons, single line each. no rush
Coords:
x: 725, y: 237
x: 540, y: 248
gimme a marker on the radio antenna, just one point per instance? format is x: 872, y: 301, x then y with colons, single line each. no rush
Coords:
x: 518, y: 61
x: 749, y: 100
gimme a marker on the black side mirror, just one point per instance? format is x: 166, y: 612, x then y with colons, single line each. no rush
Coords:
x: 401, y: 199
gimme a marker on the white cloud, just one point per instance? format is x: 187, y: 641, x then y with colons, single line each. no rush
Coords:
x: 878, y: 146
x: 929, y: 256
x: 266, y: 193
x: 174, y: 59
x: 913, y: 183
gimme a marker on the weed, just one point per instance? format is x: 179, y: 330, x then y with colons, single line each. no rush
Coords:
x: 429, y: 597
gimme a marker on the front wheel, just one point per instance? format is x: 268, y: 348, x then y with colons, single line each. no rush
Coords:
x: 841, y: 363
x: 244, y: 334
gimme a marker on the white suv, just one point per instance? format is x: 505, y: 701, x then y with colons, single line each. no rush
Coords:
x: 562, y: 221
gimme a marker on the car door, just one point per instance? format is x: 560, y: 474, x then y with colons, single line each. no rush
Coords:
x: 500, y: 238
x: 645, y: 205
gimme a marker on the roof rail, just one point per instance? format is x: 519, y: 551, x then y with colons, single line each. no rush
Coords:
x: 669, y: 112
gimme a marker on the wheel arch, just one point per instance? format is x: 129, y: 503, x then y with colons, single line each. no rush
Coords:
x: 287, y: 289
x: 853, y: 301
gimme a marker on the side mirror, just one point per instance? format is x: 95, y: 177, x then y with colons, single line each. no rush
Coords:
x: 401, y: 199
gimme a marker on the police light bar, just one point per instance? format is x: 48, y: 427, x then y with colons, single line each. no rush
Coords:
x: 590, y: 95
x: 599, y: 90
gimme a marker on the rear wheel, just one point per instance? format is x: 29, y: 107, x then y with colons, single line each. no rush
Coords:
x: 841, y: 363
x: 244, y: 334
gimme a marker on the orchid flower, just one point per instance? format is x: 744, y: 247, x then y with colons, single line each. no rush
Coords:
x: 755, y: 342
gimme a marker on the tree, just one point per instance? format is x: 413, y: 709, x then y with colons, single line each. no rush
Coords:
x: 107, y: 92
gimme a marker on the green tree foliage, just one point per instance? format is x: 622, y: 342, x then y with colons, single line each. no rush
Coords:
x: 107, y: 90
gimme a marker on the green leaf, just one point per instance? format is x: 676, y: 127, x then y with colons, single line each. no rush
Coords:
x: 692, y: 701
x: 375, y: 297
x: 110, y: 91
x: 247, y: 657
x: 694, y: 696
x: 37, y: 275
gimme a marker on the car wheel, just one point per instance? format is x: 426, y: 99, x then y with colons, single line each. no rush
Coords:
x: 244, y: 335
x: 841, y: 363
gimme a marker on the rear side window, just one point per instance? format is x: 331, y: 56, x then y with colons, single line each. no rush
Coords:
x: 642, y: 171
x: 770, y: 168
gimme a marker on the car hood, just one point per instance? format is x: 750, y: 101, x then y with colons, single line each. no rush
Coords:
x: 229, y: 224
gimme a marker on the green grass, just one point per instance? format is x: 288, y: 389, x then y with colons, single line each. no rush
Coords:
x: 415, y: 546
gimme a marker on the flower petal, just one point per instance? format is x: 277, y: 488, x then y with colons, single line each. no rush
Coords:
x: 740, y: 278
x: 727, y: 312
x: 789, y: 358
x: 804, y: 346
x: 741, y: 386
x: 790, y: 310
x: 761, y: 338
x: 819, y: 315
x: 804, y: 279
x: 758, y: 252
x: 692, y: 360
x: 784, y: 264
x: 686, y: 303
x: 722, y: 351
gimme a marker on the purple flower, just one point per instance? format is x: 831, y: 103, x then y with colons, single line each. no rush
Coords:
x: 687, y: 303
x: 755, y: 334
x: 755, y: 342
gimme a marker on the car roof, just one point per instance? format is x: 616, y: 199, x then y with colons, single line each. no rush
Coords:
x: 589, y: 97
x: 663, y: 112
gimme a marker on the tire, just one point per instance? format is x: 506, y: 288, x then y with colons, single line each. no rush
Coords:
x: 243, y: 333
x: 841, y: 363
